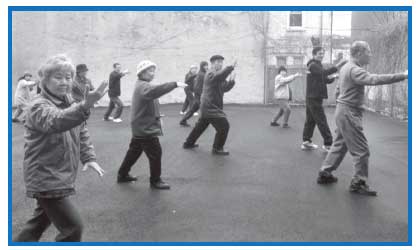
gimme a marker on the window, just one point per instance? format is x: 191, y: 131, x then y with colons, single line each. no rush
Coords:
x: 296, y: 19
x: 281, y: 61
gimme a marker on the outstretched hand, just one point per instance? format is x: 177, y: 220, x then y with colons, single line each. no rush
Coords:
x: 93, y: 165
x: 234, y: 63
x: 341, y: 63
x: 90, y: 98
x: 232, y: 76
x: 181, y: 84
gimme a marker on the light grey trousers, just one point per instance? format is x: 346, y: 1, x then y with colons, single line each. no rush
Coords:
x: 349, y: 137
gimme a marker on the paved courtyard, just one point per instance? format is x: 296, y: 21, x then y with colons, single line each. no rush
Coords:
x: 264, y: 191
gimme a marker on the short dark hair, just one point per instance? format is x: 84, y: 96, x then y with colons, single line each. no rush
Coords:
x: 358, y: 46
x: 116, y: 64
x: 282, y: 68
x: 316, y: 50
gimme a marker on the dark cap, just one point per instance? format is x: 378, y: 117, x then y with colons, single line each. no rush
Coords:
x: 81, y: 68
x: 216, y: 57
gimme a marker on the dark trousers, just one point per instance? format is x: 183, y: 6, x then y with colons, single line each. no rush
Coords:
x: 315, y: 116
x: 220, y: 124
x: 152, y: 148
x: 188, y: 99
x: 61, y: 213
x: 114, y: 101
x: 194, y: 108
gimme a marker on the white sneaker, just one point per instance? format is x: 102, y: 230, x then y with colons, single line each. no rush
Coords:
x: 308, y: 146
x: 195, y: 114
x: 181, y: 113
x: 326, y: 148
x: 117, y: 120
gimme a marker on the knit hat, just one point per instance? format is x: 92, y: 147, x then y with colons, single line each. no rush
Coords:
x: 81, y: 68
x: 143, y: 65
x: 27, y: 74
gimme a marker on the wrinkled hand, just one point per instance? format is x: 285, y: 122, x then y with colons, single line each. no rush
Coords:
x: 298, y: 74
x: 125, y: 72
x: 181, y: 84
x: 90, y: 98
x: 95, y: 167
x: 234, y: 63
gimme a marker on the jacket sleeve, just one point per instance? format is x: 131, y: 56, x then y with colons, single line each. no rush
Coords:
x: 155, y: 91
x: 228, y: 85
x: 318, y: 70
x: 362, y: 77
x: 27, y: 83
x: 329, y: 80
x: 220, y: 75
x: 87, y: 152
x: 281, y: 81
x: 50, y: 119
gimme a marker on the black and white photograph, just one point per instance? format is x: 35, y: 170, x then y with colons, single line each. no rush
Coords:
x: 222, y: 126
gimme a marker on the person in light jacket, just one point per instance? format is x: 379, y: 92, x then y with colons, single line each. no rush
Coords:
x: 282, y: 94
x: 146, y: 125
x: 348, y: 115
x: 56, y: 140
x: 22, y: 95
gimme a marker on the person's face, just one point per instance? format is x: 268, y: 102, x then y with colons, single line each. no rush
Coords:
x: 117, y: 68
x: 28, y: 77
x: 319, y: 55
x: 59, y: 83
x: 148, y: 74
x: 194, y: 70
x: 365, y: 56
x: 217, y: 64
x: 283, y: 73
x: 206, y: 67
x: 83, y: 73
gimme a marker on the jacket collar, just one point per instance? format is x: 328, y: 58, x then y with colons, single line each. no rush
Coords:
x: 58, y: 101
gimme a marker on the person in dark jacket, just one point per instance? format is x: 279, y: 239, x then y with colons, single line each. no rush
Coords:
x: 349, y: 133
x: 114, y: 93
x: 81, y: 83
x: 317, y: 79
x: 197, y: 91
x: 56, y: 140
x: 215, y: 85
x: 146, y: 125
x: 189, y: 80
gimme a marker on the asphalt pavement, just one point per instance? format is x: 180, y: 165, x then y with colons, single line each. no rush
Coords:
x: 264, y: 191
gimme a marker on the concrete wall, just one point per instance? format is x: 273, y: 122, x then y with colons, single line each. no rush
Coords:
x: 173, y: 40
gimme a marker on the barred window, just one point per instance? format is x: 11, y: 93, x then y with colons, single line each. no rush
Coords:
x: 296, y: 19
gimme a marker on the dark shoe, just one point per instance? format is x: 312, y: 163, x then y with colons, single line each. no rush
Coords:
x: 219, y: 152
x: 159, y: 184
x: 326, y: 178
x: 285, y: 125
x: 360, y: 187
x: 126, y: 178
x: 275, y: 124
x: 15, y: 120
x: 189, y: 146
x: 184, y: 124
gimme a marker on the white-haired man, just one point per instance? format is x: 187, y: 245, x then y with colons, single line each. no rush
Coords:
x: 349, y: 133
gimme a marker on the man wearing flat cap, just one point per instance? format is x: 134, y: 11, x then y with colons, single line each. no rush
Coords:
x: 215, y: 85
x: 81, y: 83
